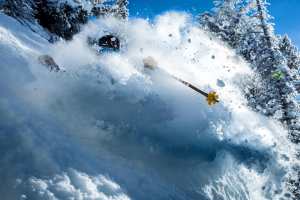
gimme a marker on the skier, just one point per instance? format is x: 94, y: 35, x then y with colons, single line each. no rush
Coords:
x: 211, y: 97
x: 106, y: 43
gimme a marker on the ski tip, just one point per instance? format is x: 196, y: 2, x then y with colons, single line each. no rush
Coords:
x: 212, y: 98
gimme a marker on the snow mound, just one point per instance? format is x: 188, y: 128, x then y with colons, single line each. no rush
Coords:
x: 73, y: 185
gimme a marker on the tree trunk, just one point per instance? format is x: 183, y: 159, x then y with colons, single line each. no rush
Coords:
x: 264, y: 26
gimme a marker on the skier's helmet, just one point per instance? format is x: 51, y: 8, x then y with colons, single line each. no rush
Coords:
x: 109, y: 41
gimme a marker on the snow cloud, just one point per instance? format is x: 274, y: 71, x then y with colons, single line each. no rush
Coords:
x: 107, y: 115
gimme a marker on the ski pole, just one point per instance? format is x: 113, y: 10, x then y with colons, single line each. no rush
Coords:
x: 211, y: 97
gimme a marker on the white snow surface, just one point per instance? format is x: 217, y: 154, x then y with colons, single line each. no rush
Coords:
x: 76, y: 185
x: 108, y: 129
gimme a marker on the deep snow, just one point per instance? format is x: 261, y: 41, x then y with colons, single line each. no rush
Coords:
x: 107, y: 129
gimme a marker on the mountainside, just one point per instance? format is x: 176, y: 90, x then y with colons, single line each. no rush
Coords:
x: 104, y: 127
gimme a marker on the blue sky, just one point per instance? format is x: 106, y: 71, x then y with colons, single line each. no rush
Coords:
x: 286, y: 12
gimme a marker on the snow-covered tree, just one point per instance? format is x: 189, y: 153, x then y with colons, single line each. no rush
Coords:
x: 119, y: 9
x: 63, y: 18
x: 262, y: 14
x: 290, y: 52
x: 246, y: 26
x: 122, y: 8
x: 224, y: 20
x: 60, y: 18
x: 22, y: 10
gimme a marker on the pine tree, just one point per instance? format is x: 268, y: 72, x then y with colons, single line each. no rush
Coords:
x: 60, y: 18
x: 263, y: 16
x: 286, y: 93
x: 224, y: 20
x: 246, y: 26
x: 119, y: 9
x: 290, y: 52
x: 122, y: 9
x: 21, y: 10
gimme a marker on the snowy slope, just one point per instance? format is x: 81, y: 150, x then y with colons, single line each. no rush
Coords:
x: 107, y: 129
